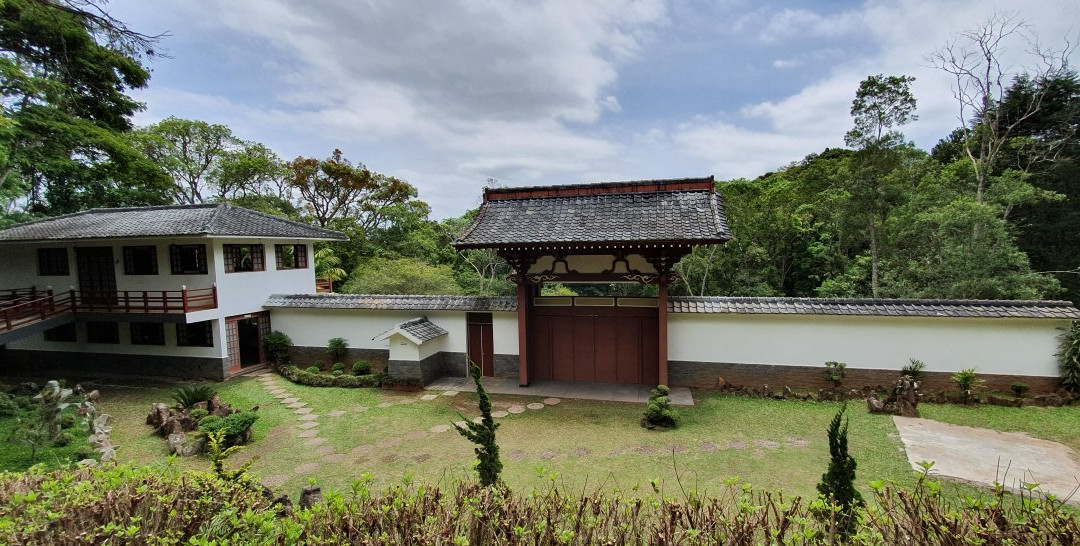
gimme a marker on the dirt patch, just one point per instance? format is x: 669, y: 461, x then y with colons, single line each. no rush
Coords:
x: 324, y: 450
x: 275, y: 480
x: 579, y: 452
x: 388, y: 458
x: 708, y: 447
x: 767, y: 444
x: 421, y: 457
x: 675, y: 448
x: 306, y: 468
x: 415, y: 435
x: 547, y: 454
x: 645, y: 450
x: 736, y: 444
x: 797, y: 442
x: 360, y: 450
x: 516, y: 455
x: 389, y: 442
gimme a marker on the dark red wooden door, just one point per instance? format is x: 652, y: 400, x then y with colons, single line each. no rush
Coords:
x: 594, y: 344
x: 481, y: 347
x: 97, y: 274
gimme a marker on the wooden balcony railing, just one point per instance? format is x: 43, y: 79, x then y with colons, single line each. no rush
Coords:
x: 22, y: 310
x: 15, y: 296
x: 322, y: 287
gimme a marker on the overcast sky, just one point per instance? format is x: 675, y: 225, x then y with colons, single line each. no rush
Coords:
x: 449, y: 93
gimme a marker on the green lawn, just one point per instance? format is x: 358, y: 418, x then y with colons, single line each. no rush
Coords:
x: 581, y: 445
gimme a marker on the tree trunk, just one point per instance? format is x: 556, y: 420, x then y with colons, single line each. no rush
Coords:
x: 873, y: 256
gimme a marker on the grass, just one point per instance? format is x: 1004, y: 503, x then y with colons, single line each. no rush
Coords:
x: 578, y: 445
x: 15, y: 453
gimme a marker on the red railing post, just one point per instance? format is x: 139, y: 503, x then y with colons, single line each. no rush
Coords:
x: 71, y: 294
x: 183, y: 297
x: 214, y: 288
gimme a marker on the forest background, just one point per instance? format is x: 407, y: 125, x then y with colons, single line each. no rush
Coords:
x: 990, y: 212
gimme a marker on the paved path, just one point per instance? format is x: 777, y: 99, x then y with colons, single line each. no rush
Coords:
x: 680, y: 396
x: 982, y: 456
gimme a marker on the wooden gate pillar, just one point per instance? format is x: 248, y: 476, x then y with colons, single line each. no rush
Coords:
x: 523, y: 302
x: 661, y: 317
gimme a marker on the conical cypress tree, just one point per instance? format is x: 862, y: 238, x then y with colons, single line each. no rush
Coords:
x: 483, y: 435
x: 838, y: 483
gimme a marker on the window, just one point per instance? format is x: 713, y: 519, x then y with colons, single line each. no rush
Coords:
x: 102, y: 332
x: 52, y: 261
x: 140, y: 260
x: 243, y: 258
x: 147, y: 333
x: 64, y: 332
x: 188, y: 259
x: 291, y: 256
x: 196, y: 334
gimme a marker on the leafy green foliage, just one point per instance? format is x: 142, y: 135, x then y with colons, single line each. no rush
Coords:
x: 218, y: 450
x: 361, y: 367
x: 658, y: 410
x: 8, y: 407
x: 401, y: 276
x: 838, y: 483
x: 316, y: 378
x: 483, y: 435
x: 1069, y: 358
x: 968, y: 382
x: 913, y: 369
x: 336, y: 349
x: 43, y: 427
x: 835, y: 372
x: 278, y: 347
x: 1019, y: 390
x: 234, y: 426
x: 189, y: 395
x: 313, y: 369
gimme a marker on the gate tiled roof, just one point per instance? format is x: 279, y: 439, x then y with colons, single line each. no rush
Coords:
x: 680, y: 211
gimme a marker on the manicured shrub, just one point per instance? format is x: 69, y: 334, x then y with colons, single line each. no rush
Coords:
x: 1069, y: 358
x: 278, y: 347
x: 482, y: 434
x: 361, y: 367
x: 338, y: 367
x: 337, y: 348
x: 913, y: 369
x: 658, y: 411
x: 235, y: 425
x: 1019, y: 390
x: 838, y: 483
x: 24, y: 402
x: 313, y: 369
x: 197, y: 414
x: 189, y: 395
x: 8, y: 407
x: 968, y: 382
x: 63, y: 439
x: 835, y: 372
x: 318, y: 379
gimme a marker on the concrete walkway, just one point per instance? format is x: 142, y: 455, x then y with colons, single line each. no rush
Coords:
x: 982, y: 456
x: 680, y: 396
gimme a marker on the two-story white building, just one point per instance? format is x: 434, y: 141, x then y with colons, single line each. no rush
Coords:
x: 170, y: 291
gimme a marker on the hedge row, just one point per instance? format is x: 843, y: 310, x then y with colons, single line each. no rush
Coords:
x: 304, y: 377
x: 145, y: 505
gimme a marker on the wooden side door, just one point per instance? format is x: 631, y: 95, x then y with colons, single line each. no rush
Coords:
x: 481, y: 348
x: 97, y: 274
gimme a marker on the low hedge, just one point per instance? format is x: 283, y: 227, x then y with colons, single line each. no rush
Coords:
x: 311, y: 379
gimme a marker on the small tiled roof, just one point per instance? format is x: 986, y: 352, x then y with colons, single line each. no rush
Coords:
x: 418, y: 330
x: 876, y: 307
x: 217, y: 220
x: 681, y: 211
x: 392, y: 302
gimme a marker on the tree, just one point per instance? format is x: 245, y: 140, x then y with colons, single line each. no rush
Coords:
x: 880, y: 104
x: 981, y: 80
x: 838, y: 483
x: 483, y: 435
x: 331, y: 188
x: 66, y: 67
x: 401, y: 276
x: 208, y: 162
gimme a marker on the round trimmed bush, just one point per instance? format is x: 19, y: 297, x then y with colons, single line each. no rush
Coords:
x: 361, y: 367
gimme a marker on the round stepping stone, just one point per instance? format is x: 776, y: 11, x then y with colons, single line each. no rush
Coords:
x: 385, y: 405
x: 324, y: 450
x: 478, y: 420
x: 315, y: 441
x: 450, y: 393
x: 499, y: 414
x: 429, y: 397
x: 275, y: 480
x: 290, y: 400
x: 360, y: 450
x: 359, y: 409
x: 335, y: 413
x: 296, y: 405
x: 309, y: 417
x: 460, y: 423
x: 334, y: 458
x: 389, y: 442
x: 515, y: 409
x: 307, y: 425
x: 310, y: 433
x: 303, y: 411
x: 440, y: 428
x: 552, y: 401
x: 535, y: 406
x: 415, y: 435
x: 306, y: 468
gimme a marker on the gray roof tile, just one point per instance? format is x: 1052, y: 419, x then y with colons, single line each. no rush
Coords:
x: 392, y: 302
x: 680, y: 215
x: 878, y: 307
x: 218, y: 220
x: 420, y: 330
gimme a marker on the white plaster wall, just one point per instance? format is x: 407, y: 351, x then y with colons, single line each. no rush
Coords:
x: 504, y: 333
x: 313, y: 327
x: 401, y: 348
x: 432, y: 347
x: 245, y: 292
x: 993, y: 346
x: 37, y: 342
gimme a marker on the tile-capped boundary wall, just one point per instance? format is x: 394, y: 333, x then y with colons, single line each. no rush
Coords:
x: 76, y: 364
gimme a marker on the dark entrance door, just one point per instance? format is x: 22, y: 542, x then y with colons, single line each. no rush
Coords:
x: 606, y: 344
x: 249, y: 339
x: 481, y: 347
x: 97, y: 275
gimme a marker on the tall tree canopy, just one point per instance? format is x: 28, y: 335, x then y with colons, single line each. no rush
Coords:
x: 66, y: 67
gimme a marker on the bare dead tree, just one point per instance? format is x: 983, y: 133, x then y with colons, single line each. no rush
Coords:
x: 974, y: 59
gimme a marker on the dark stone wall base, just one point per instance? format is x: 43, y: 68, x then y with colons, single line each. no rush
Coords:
x: 453, y: 365
x: 302, y: 357
x: 426, y: 370
x: 58, y: 363
x: 708, y: 375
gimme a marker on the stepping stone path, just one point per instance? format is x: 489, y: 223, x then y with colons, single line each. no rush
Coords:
x: 309, y: 417
x: 316, y: 442
x: 290, y: 400
x: 515, y: 409
x: 385, y: 405
x: 450, y: 393
x: 310, y: 433
x: 306, y: 468
x: 499, y: 414
x: 440, y: 428
x: 308, y: 424
x: 478, y: 420
x: 302, y: 411
x: 359, y: 409
x: 535, y: 406
x: 324, y: 450
x: 552, y: 401
x: 296, y: 405
x: 429, y: 397
x: 335, y: 413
